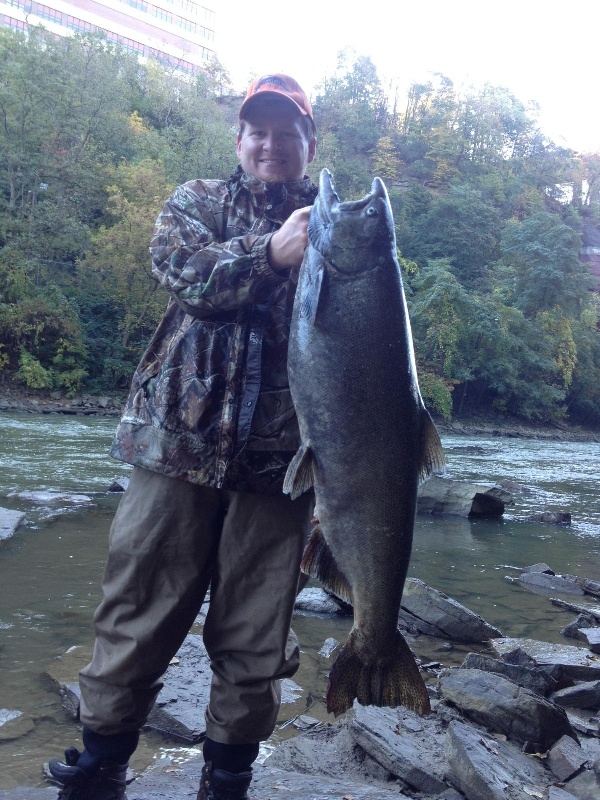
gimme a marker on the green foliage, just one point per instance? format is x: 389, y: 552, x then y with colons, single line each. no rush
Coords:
x: 92, y: 143
x: 32, y: 373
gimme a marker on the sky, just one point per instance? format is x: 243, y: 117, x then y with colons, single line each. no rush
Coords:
x: 540, y: 51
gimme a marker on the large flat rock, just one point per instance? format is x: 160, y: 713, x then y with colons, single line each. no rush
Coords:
x: 485, y: 768
x: 9, y: 522
x: 562, y: 661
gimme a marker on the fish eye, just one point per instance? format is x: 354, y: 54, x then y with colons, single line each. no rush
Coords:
x: 372, y: 211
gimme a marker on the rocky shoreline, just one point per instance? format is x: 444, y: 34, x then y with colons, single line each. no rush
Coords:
x: 13, y: 401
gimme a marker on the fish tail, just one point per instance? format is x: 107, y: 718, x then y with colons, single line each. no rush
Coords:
x: 395, y: 681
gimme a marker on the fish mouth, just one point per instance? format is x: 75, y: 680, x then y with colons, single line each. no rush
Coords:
x: 330, y: 204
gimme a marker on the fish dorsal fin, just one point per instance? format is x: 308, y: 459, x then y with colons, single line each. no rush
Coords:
x: 299, y: 476
x: 432, y: 454
x: 319, y: 563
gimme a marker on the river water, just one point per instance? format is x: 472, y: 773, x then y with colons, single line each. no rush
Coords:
x: 50, y: 569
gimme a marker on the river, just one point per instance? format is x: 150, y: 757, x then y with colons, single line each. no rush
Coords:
x: 50, y: 569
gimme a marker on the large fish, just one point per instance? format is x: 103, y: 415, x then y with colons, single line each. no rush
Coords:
x: 366, y: 436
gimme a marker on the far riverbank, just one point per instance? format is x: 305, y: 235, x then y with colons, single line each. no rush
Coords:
x: 15, y: 401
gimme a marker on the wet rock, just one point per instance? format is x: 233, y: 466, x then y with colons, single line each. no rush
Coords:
x: 9, y: 522
x: 485, y: 768
x: 585, y: 786
x: 502, y: 706
x: 564, y: 662
x: 169, y: 781
x: 50, y: 498
x: 425, y: 610
x: 408, y: 746
x: 316, y: 601
x: 27, y: 793
x: 582, y: 695
x: 566, y: 758
x: 578, y: 608
x: 549, y: 582
x: 540, y: 567
x: 558, y: 793
x: 439, y: 495
x: 536, y: 680
x: 119, y: 484
x: 592, y: 637
x: 14, y: 724
x: 582, y: 621
x: 591, y: 587
x: 552, y: 517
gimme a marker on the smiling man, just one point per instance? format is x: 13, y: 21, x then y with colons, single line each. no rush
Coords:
x: 210, y: 428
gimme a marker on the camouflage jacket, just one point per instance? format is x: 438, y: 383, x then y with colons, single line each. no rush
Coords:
x: 210, y: 401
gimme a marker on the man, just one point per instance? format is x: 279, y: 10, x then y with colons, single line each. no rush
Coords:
x: 210, y: 429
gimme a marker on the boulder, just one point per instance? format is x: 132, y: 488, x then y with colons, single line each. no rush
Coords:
x: 408, y: 746
x: 9, y: 522
x: 503, y: 707
x: 441, y: 495
x: 566, y: 758
x: 534, y: 679
x: 485, y: 768
x: 426, y: 610
x: 592, y: 637
x: 549, y: 582
x: 316, y: 601
x: 565, y: 662
x: 552, y: 517
x: 582, y: 621
x: 582, y: 695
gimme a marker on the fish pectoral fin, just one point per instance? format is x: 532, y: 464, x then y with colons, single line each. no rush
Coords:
x: 319, y: 563
x: 395, y: 681
x: 311, y: 291
x: 432, y: 453
x: 299, y: 476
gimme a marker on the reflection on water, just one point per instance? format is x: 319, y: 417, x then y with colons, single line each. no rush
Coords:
x: 50, y: 569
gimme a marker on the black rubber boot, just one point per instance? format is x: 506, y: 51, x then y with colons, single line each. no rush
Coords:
x: 97, y: 773
x: 218, y: 784
x: 105, y: 781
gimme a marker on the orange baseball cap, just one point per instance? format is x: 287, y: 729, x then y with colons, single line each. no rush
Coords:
x: 282, y: 86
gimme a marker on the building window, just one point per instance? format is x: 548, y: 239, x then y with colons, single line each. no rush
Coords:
x: 78, y: 25
x: 45, y: 12
x: 159, y: 13
x: 139, y: 4
x: 16, y: 24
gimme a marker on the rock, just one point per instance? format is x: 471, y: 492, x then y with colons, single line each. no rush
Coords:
x: 585, y: 786
x: 389, y: 737
x: 549, y: 582
x: 592, y: 637
x: 536, y: 680
x: 502, y: 706
x: 14, y: 724
x: 541, y: 567
x: 556, y: 793
x: 582, y: 695
x: 565, y: 758
x: 9, y: 522
x: 425, y: 610
x: 119, y: 484
x: 552, y: 517
x: 166, y: 780
x: 439, y: 495
x: 316, y: 601
x: 591, y: 587
x: 52, y: 498
x: 577, y: 608
x: 564, y: 662
x: 484, y: 768
x: 582, y: 621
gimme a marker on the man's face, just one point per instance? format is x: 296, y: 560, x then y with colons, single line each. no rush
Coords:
x: 274, y: 146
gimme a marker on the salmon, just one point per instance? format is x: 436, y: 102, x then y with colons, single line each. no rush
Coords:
x: 366, y: 438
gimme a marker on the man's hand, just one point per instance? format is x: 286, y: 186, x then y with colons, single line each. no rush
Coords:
x: 287, y: 245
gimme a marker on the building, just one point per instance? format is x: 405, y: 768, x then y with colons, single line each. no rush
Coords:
x: 179, y: 33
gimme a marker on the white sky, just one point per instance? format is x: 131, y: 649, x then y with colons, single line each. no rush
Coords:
x: 542, y: 51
